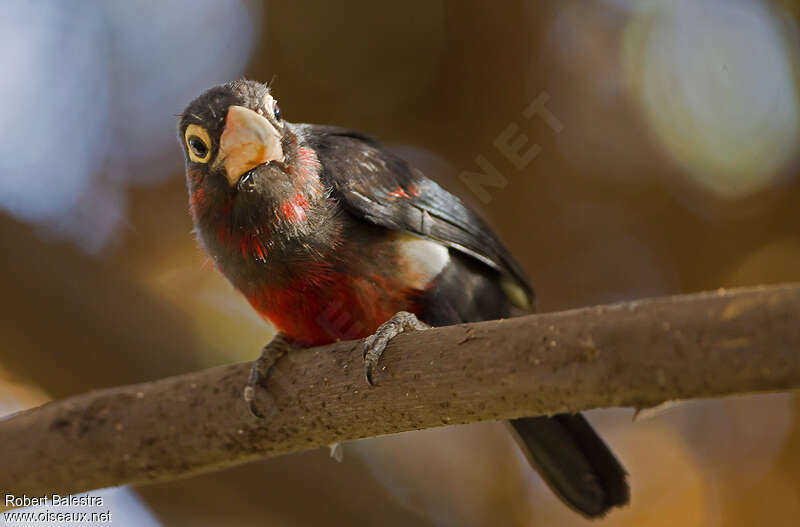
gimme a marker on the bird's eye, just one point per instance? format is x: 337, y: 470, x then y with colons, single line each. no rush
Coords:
x: 198, y: 146
x: 198, y: 143
x: 277, y: 113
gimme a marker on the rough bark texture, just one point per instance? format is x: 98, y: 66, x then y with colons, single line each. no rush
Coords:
x: 635, y: 354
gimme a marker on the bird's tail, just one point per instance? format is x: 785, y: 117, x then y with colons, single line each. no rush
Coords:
x: 574, y: 461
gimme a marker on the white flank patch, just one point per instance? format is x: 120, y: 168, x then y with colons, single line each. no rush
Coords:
x: 425, y: 259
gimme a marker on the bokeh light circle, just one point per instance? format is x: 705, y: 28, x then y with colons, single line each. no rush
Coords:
x: 716, y: 84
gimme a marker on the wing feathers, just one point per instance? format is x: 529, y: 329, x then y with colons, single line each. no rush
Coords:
x: 382, y: 188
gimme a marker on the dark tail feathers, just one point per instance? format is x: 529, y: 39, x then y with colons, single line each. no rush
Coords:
x: 574, y: 461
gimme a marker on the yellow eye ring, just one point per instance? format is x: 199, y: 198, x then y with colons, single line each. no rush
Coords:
x: 198, y: 143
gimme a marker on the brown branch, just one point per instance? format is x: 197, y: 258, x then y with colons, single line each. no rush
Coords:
x: 632, y: 354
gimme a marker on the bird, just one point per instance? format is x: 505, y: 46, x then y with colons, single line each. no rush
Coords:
x: 311, y: 221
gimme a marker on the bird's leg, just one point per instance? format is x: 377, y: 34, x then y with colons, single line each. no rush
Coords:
x: 270, y: 354
x: 375, y: 344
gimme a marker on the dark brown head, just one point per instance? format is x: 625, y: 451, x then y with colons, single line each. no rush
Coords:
x: 230, y: 130
x: 252, y: 181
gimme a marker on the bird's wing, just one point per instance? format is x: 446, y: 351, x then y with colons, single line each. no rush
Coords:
x: 380, y: 187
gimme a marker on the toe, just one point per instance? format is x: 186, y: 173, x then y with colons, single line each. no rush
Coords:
x: 250, y: 399
x: 368, y: 367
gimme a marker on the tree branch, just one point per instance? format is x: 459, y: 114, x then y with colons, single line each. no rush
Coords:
x: 635, y: 354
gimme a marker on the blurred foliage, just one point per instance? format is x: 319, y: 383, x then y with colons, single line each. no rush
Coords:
x: 675, y: 171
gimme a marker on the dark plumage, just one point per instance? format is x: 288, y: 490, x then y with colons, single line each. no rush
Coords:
x: 328, y: 235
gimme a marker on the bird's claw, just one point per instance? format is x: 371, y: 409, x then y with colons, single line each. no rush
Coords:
x: 375, y: 344
x: 272, y: 352
x: 250, y: 399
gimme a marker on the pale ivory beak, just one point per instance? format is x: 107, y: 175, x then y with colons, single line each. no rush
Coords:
x: 249, y: 140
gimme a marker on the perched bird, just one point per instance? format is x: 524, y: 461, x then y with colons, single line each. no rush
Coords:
x: 312, y: 221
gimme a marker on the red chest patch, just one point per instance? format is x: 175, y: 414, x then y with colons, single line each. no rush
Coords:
x: 349, y: 301
x: 332, y: 306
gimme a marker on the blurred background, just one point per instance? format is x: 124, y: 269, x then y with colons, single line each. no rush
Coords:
x: 660, y: 156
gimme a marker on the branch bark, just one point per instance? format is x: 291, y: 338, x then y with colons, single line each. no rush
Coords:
x: 637, y: 354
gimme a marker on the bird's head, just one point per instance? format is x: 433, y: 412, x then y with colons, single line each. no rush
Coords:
x: 232, y: 129
x: 242, y: 157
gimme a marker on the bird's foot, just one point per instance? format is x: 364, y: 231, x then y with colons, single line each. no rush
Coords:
x: 375, y: 344
x: 270, y: 354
